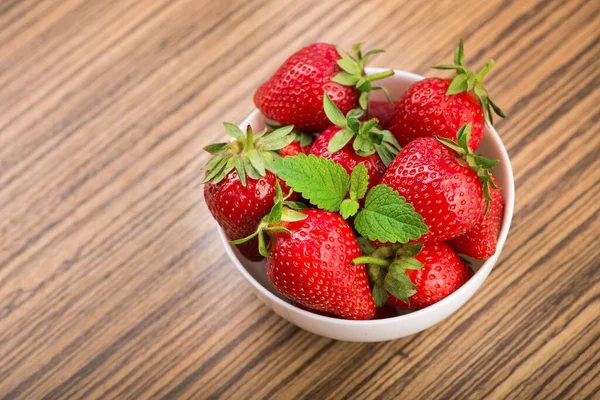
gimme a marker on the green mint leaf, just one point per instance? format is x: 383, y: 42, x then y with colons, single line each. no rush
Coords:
x: 348, y: 208
x: 323, y: 182
x: 333, y: 112
x: 359, y: 181
x: 339, y: 140
x: 387, y: 217
x: 380, y: 295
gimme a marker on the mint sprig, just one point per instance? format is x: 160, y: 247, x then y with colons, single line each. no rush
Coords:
x: 388, y: 218
x: 323, y: 182
x: 359, y: 183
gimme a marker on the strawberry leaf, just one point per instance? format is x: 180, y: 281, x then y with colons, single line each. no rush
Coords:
x: 380, y: 295
x: 339, y: 140
x: 323, y: 182
x: 333, y: 113
x: 387, y: 217
x: 233, y: 130
x: 459, y: 84
x: 399, y: 285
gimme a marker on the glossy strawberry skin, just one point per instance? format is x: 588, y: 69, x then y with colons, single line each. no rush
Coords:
x: 312, y: 266
x: 480, y: 241
x: 294, y: 94
x: 294, y: 148
x: 425, y: 110
x: 238, y: 209
x: 347, y: 157
x: 383, y: 111
x: 443, y: 272
x: 442, y: 188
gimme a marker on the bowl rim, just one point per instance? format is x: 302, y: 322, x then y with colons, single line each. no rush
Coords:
x: 509, y: 199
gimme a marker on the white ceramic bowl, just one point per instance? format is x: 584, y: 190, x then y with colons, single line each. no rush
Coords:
x: 402, y: 325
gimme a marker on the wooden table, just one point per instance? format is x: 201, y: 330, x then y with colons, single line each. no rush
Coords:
x: 113, y: 281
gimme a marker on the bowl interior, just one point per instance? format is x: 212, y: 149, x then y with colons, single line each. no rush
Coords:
x: 490, y: 147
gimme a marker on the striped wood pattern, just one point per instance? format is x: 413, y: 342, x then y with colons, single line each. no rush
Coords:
x: 113, y: 283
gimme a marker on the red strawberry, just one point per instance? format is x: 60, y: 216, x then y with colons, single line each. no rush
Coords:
x: 442, y: 273
x: 385, y: 312
x: 312, y: 265
x: 323, y: 313
x: 439, y: 107
x: 351, y: 141
x: 383, y: 111
x: 347, y: 156
x: 294, y: 94
x: 480, y: 241
x: 240, y: 183
x: 445, y: 183
x: 301, y: 144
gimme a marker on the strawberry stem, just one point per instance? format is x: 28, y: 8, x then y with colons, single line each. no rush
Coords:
x: 370, y: 260
x: 380, y: 75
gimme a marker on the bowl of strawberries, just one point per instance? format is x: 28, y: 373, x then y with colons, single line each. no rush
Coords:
x: 363, y: 204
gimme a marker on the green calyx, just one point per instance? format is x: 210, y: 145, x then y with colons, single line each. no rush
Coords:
x: 368, y: 135
x: 353, y: 73
x: 251, y: 155
x: 282, y: 210
x: 466, y: 80
x: 479, y: 164
x: 303, y: 138
x: 387, y: 266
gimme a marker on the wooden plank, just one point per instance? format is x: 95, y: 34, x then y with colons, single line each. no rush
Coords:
x: 113, y: 282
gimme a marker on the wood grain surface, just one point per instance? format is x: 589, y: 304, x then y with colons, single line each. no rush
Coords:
x: 113, y: 281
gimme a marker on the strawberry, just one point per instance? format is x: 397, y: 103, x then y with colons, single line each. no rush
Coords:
x: 301, y: 144
x: 311, y: 265
x: 385, y: 312
x: 240, y: 182
x: 414, y: 276
x: 480, y: 241
x: 294, y: 94
x: 350, y: 142
x: 347, y: 156
x: 382, y: 111
x: 438, y: 107
x: 445, y: 182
